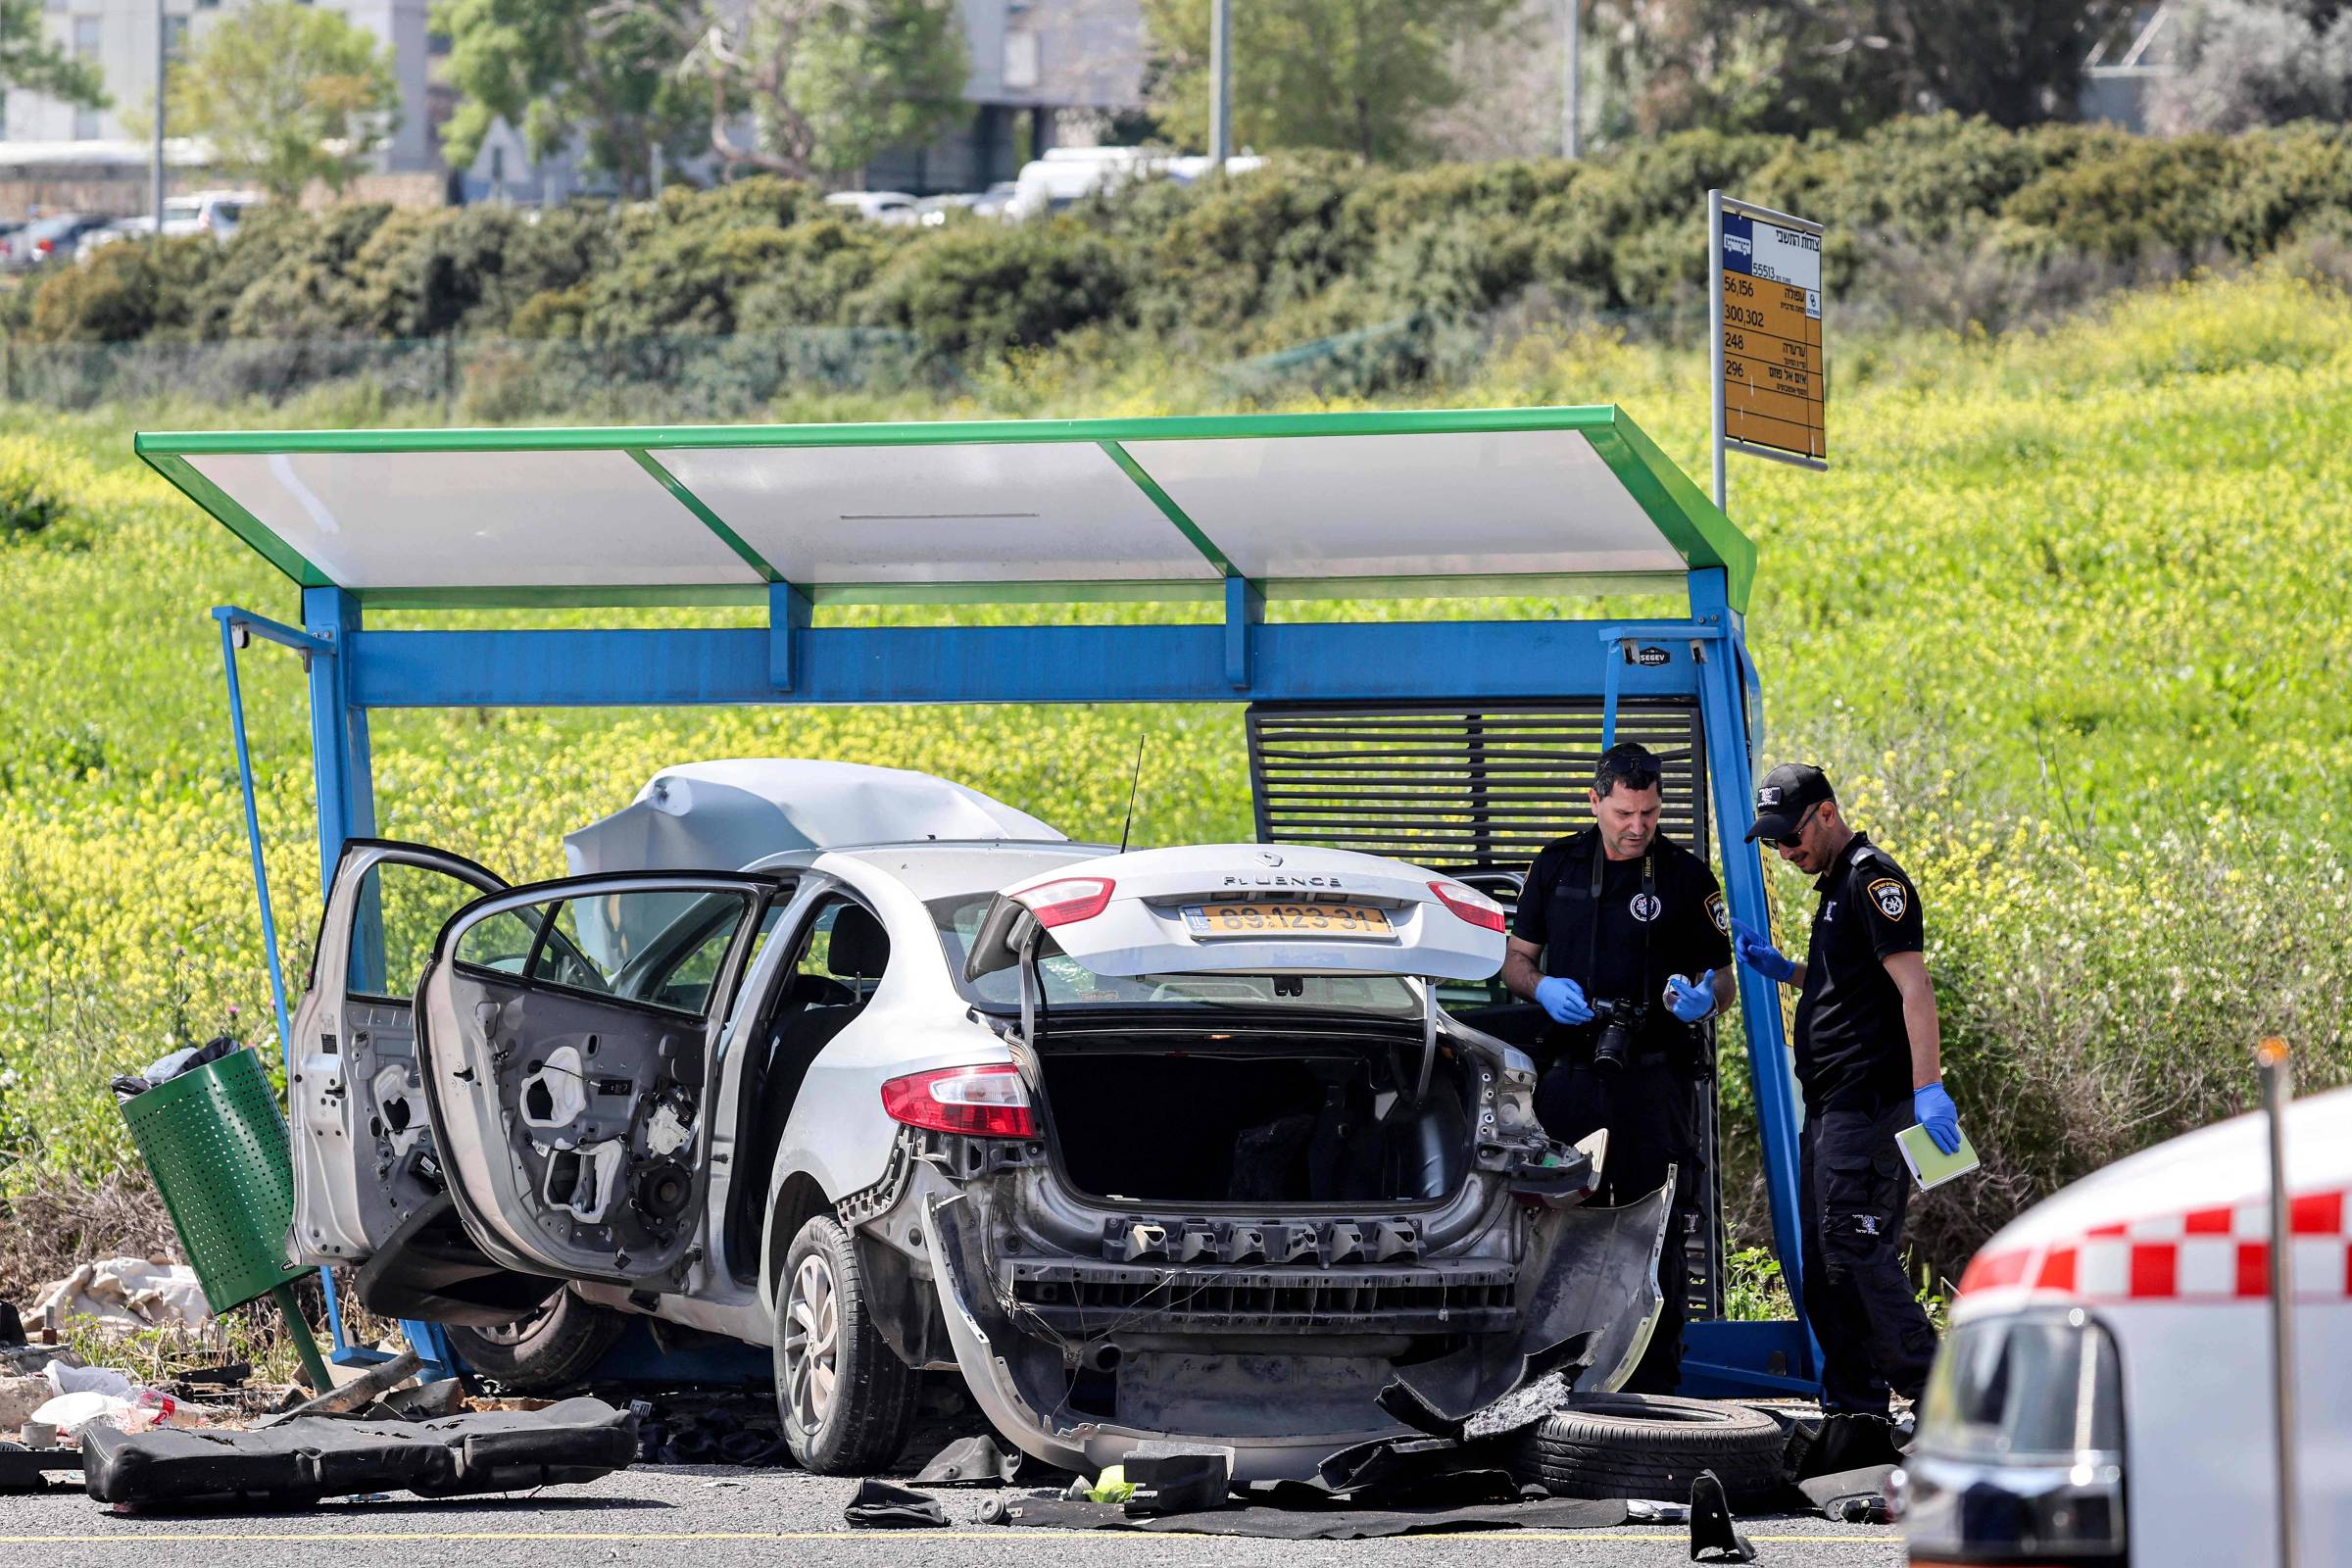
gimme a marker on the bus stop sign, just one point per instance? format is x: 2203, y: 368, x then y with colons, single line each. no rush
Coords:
x: 1770, y: 378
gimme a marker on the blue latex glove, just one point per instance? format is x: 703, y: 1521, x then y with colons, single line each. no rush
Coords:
x: 1939, y: 1115
x: 1755, y: 950
x: 1563, y: 999
x: 1691, y: 999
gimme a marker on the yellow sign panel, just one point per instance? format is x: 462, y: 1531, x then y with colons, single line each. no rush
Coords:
x: 1775, y: 379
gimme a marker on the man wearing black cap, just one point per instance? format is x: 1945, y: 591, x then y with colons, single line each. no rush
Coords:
x: 1620, y: 938
x: 1869, y: 1054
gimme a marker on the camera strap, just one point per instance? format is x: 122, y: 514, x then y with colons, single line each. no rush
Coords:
x: 1649, y: 893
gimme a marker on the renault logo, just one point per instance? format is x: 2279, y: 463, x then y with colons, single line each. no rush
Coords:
x: 1270, y: 857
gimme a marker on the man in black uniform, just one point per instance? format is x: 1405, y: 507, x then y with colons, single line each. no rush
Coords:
x: 1869, y: 1054
x: 1619, y: 926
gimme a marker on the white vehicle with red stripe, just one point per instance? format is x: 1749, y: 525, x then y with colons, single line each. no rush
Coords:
x: 2104, y: 1396
x: 1167, y: 1144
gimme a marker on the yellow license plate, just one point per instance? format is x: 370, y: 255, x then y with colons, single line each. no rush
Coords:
x: 1360, y: 921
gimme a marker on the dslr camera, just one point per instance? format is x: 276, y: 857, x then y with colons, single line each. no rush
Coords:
x: 1621, y: 1023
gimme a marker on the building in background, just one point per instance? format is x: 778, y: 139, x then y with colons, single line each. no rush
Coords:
x: 2124, y: 68
x: 120, y: 37
x: 1044, y: 73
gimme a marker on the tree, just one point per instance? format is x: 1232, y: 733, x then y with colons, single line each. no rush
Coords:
x: 34, y: 62
x: 826, y: 84
x: 1358, y: 76
x: 2245, y: 64
x: 1790, y: 67
x: 557, y: 68
x: 287, y: 94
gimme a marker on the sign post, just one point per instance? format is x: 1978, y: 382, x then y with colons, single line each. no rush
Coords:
x: 1770, y: 378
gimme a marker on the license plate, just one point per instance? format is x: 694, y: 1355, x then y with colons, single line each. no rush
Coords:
x: 1352, y: 921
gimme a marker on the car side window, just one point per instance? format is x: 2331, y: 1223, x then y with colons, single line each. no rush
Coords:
x: 401, y: 910
x: 638, y: 947
x: 840, y: 958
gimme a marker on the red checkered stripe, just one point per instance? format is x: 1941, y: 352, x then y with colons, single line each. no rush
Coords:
x: 2202, y: 1254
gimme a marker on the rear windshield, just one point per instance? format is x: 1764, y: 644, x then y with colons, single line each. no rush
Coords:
x: 1069, y: 983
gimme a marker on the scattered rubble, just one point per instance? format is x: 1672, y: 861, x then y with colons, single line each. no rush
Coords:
x: 124, y: 1294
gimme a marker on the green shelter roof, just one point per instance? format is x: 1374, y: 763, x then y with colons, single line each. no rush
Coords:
x: 1453, y: 501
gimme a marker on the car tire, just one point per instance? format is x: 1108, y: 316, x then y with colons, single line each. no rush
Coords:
x: 1652, y: 1446
x: 844, y: 1399
x: 552, y: 1347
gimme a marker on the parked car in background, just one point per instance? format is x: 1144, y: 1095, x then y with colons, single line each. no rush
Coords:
x: 2105, y: 1395
x: 877, y: 206
x: 216, y: 213
x: 1068, y: 174
x: 48, y: 239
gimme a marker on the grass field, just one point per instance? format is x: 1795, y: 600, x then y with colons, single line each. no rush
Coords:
x: 2063, y: 622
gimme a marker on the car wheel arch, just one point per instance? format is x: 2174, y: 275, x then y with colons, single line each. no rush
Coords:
x: 797, y: 1198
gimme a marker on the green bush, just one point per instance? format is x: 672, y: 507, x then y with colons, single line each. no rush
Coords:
x: 997, y: 289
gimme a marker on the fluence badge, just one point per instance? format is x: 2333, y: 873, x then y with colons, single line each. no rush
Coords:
x: 1891, y: 896
x: 1646, y: 906
x: 1717, y: 913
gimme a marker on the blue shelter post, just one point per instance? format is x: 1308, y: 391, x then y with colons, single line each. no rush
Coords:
x: 1731, y: 774
x: 344, y: 777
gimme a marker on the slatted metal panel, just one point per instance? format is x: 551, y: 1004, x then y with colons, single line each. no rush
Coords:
x: 1460, y: 787
x: 1475, y: 787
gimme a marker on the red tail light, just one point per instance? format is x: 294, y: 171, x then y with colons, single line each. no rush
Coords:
x: 1470, y: 903
x: 1073, y: 897
x: 977, y: 1101
x: 44, y: 246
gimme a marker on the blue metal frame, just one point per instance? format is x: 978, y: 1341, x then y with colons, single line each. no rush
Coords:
x: 353, y: 670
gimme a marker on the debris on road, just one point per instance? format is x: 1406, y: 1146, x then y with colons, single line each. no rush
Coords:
x: 881, y: 1505
x: 1714, y: 1535
x: 975, y: 1461
x: 25, y: 1469
x: 380, y: 1377
x: 303, y: 1460
x: 1850, y: 1497
x: 1299, y: 1518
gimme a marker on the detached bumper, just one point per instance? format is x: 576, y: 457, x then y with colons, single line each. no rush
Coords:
x: 1279, y: 1403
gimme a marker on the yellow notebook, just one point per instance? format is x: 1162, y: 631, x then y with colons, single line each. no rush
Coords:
x: 1931, y: 1166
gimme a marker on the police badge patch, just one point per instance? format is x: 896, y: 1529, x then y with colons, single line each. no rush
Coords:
x: 1646, y: 906
x: 1717, y: 913
x: 1891, y: 896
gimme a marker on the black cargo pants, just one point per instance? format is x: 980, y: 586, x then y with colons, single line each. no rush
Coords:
x: 1874, y: 1336
x: 1652, y: 1117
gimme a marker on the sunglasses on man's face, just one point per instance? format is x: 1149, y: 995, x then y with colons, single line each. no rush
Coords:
x: 1796, y: 835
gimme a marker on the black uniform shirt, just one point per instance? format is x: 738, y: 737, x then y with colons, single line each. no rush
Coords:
x: 1852, y: 1050
x: 1677, y: 928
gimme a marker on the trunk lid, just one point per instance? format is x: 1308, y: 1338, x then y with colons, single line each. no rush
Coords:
x: 1246, y: 909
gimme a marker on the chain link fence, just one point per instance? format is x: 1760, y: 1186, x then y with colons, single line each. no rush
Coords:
x: 487, y: 379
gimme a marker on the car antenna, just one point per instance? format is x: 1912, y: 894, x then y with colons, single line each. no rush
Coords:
x: 1133, y: 785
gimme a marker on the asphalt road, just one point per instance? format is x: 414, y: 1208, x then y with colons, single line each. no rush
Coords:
x: 705, y: 1517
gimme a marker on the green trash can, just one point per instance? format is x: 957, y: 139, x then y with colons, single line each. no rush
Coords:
x: 215, y: 1143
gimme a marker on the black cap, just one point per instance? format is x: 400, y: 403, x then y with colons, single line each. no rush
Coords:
x: 1786, y: 794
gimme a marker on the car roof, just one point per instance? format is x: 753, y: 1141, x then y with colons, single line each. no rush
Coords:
x: 941, y: 868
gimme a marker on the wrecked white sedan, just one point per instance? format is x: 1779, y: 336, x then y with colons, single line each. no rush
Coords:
x: 1166, y: 1144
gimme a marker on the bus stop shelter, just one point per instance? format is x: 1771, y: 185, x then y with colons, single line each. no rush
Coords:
x: 1456, y: 743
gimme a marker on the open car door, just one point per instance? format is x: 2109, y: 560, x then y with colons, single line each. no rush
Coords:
x: 364, y: 1156
x: 567, y: 1034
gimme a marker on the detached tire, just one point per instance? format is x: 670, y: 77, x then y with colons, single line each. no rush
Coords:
x: 844, y: 1399
x: 552, y: 1347
x: 1652, y: 1446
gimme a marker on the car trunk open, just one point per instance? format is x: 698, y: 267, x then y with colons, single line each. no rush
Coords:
x: 1240, y: 1114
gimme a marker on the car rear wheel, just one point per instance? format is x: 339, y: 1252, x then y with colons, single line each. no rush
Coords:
x: 1652, y: 1446
x: 844, y: 1399
x: 554, y: 1346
